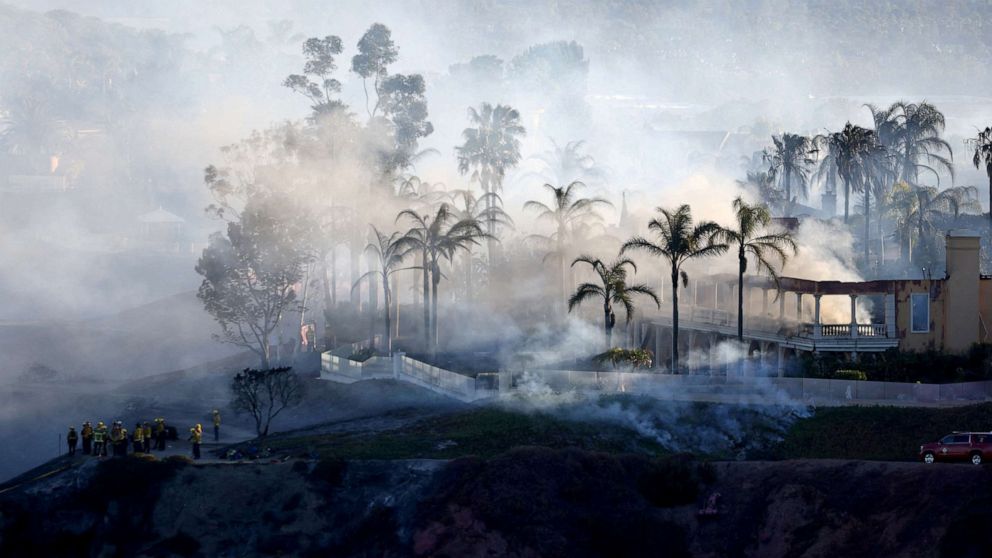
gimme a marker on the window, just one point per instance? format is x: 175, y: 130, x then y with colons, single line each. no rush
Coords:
x: 960, y: 439
x: 919, y: 306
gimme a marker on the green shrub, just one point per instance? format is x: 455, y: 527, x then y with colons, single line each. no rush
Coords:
x: 618, y: 357
x: 930, y: 366
x: 850, y: 375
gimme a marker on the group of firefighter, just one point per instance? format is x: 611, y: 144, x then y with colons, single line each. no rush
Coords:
x: 100, y: 440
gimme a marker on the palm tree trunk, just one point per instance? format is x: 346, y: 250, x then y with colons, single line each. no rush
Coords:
x: 386, y: 308
x: 867, y: 229
x: 847, y: 197
x: 990, y: 195
x: 608, y: 326
x: 394, y: 295
x: 675, y: 319
x: 788, y: 194
x: 741, y: 268
x: 427, y: 307
x: 435, y: 279
x: 328, y: 299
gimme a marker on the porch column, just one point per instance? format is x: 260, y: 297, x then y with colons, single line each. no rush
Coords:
x: 799, y: 307
x: 854, y: 315
x: 781, y: 305
x: 817, y: 327
x: 695, y: 292
x: 716, y: 296
x: 747, y: 301
x: 764, y: 302
x: 780, y: 365
x: 890, y: 315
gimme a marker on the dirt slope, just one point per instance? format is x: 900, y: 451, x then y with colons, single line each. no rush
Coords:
x: 528, y: 502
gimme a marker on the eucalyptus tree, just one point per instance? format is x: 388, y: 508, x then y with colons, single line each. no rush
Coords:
x: 491, y: 148
x: 565, y: 212
x: 438, y: 237
x: 750, y: 238
x: 251, y: 271
x: 612, y: 289
x: 846, y: 154
x: 316, y: 83
x: 376, y: 51
x: 790, y: 160
x: 389, y: 253
x: 982, y: 144
x: 679, y: 240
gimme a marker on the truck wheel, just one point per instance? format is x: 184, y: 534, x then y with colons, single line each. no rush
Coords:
x: 928, y: 457
x: 976, y: 458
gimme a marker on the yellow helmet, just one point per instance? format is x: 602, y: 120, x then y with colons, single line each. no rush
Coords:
x: 100, y: 423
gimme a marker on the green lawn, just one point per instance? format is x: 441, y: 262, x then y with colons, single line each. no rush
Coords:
x: 483, y: 432
x: 882, y: 433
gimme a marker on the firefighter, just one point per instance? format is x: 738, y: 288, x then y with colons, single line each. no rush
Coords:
x: 216, y: 425
x: 71, y: 438
x: 196, y: 436
x: 122, y: 443
x: 100, y: 439
x: 115, y: 439
x: 160, y: 434
x: 138, y: 438
x: 146, y: 433
x: 87, y: 433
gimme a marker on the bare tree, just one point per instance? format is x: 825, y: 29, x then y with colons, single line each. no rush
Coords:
x: 264, y: 394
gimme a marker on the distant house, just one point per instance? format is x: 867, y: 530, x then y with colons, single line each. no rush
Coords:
x: 162, y: 229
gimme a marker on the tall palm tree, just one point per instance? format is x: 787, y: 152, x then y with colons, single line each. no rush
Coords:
x: 679, y: 240
x: 790, y: 159
x: 566, y: 212
x: 389, y: 252
x: 847, y: 151
x: 438, y: 237
x: 983, y: 154
x: 749, y: 222
x: 491, y: 148
x: 613, y: 289
x: 918, y: 142
x: 31, y: 129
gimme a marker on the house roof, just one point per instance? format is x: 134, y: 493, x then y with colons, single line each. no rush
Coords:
x: 160, y: 216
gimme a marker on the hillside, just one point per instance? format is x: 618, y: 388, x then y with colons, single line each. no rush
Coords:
x: 527, y: 502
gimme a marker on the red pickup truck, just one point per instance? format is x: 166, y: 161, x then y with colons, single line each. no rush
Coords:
x: 959, y: 446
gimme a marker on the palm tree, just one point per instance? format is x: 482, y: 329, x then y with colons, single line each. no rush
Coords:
x: 568, y: 163
x: 983, y: 153
x: 918, y: 142
x: 845, y: 159
x: 612, y: 290
x: 790, y: 160
x: 566, y: 212
x: 750, y: 222
x: 920, y: 211
x: 438, y: 237
x: 466, y: 205
x: 762, y: 185
x: 389, y: 251
x: 30, y: 129
x: 679, y: 240
x: 491, y: 148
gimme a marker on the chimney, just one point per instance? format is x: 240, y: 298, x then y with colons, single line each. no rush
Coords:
x: 961, y: 323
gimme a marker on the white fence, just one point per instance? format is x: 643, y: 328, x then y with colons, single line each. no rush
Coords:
x: 810, y: 390
x: 336, y: 366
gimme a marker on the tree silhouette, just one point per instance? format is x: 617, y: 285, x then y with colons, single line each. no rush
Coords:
x: 612, y: 289
x: 679, y: 240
